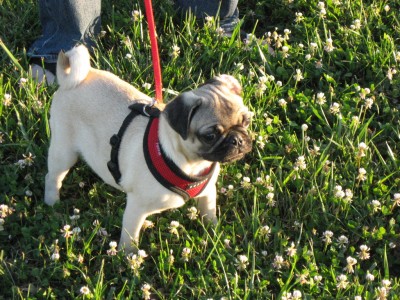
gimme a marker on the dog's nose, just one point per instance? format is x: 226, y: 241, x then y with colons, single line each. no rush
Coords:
x: 237, y: 141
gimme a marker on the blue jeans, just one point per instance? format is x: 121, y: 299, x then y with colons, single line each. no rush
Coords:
x: 66, y: 23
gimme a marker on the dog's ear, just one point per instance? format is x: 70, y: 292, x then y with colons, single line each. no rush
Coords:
x: 180, y: 112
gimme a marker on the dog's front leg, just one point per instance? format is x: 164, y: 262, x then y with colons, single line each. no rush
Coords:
x: 208, y: 205
x: 134, y: 217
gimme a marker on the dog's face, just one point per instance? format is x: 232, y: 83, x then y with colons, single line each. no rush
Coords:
x: 212, y: 120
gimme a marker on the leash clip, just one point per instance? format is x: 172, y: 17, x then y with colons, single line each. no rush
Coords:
x: 153, y: 101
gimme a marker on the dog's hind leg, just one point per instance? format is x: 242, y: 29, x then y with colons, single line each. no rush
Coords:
x: 61, y: 158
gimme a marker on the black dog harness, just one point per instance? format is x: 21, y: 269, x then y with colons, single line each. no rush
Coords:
x: 163, y: 168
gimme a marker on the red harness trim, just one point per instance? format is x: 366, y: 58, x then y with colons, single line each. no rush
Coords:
x: 165, y: 170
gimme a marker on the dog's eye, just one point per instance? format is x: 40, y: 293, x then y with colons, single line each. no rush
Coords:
x: 210, y: 137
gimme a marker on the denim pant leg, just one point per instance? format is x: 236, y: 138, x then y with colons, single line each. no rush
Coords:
x: 64, y: 24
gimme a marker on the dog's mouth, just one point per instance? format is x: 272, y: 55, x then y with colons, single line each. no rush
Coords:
x: 227, y: 152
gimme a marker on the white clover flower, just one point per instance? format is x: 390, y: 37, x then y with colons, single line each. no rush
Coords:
x: 357, y: 297
x: 307, y: 57
x: 299, y: 17
x: 386, y: 283
x: 351, y: 261
x: 192, y: 213
x: 285, y: 51
x: 368, y: 103
x: 313, y: 46
x: 146, y: 86
x: 343, y: 241
x: 296, y: 295
x: 173, y: 227
x: 128, y: 56
x: 146, y: 291
x: 242, y: 262
x: 291, y: 250
x: 136, y: 15
x: 386, y: 8
x: 147, y: 224
x: 338, y: 192
x: 175, y: 51
x: 186, y: 254
x: 5, y: 210
x: 282, y: 102
x: 220, y: 31
x: 246, y: 182
x: 364, y: 92
x: 376, y: 205
x: 355, y: 120
x: 66, y: 231
x: 335, y: 108
x: 270, y: 196
x: 356, y: 24
x: 322, y: 12
x: 364, y: 252
x: 320, y: 98
x: 7, y: 99
x: 279, y: 262
x: 171, y: 257
x: 279, y: 83
x: 142, y: 254
x: 321, y: 5
x: 55, y: 256
x: 342, y: 282
x: 327, y: 236
x: 317, y: 278
x: 209, y: 19
x: 298, y: 76
x: 304, y: 127
x: 265, y: 230
x: 28, y: 159
x: 362, y: 149
x: 22, y: 81
x: 396, y: 199
x: 315, y: 150
x: 397, y: 56
x: 390, y: 73
x: 113, y: 248
x: 300, y: 163
x: 329, y: 45
x: 382, y: 293
x: 348, y: 195
x: 84, y: 290
x: 369, y: 277
x: 361, y: 174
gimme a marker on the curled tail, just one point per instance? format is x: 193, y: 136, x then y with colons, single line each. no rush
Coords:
x: 73, y: 67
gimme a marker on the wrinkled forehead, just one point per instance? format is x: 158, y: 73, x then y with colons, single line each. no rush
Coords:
x: 224, y: 101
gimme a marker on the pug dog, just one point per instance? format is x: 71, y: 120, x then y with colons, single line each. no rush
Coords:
x: 195, y: 132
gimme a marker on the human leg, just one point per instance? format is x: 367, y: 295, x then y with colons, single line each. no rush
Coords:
x: 64, y: 24
x: 226, y: 10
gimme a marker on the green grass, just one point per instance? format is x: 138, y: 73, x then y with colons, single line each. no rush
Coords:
x: 290, y: 214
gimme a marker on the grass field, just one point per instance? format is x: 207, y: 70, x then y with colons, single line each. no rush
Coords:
x: 311, y: 213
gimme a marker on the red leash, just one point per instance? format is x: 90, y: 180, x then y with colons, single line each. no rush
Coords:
x: 154, y: 49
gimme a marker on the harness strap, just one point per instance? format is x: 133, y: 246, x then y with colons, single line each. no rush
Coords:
x: 164, y: 170
x: 115, y: 140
